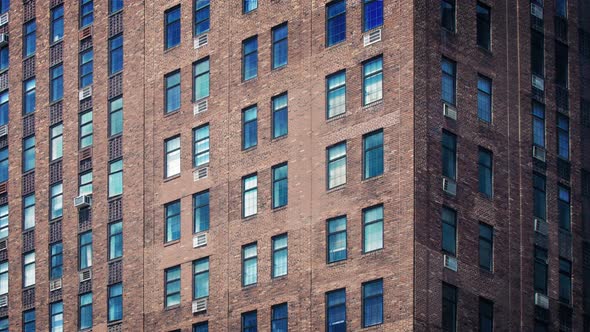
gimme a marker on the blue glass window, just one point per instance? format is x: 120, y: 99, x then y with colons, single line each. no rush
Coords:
x: 201, y: 78
x: 4, y: 6
x: 172, y: 28
x: 485, y: 163
x: 280, y: 112
x: 86, y: 68
x: 56, y: 200
x: 372, y: 228
x: 200, y: 327
x: 372, y: 14
x: 280, y: 46
x: 115, y: 54
x: 115, y: 178
x: 86, y: 12
x: 449, y: 231
x: 85, y: 250
x: 115, y: 5
x: 173, y: 91
x: 201, y: 212
x: 29, y: 153
x: 85, y: 311
x: 4, y: 58
x: 373, y: 80
x: 373, y: 303
x: 4, y: 107
x: 29, y: 321
x: 563, y: 137
x: 30, y: 38
x: 29, y: 211
x: 336, y: 165
x: 249, y: 195
x: 250, y: 5
x: 373, y: 154
x: 3, y: 165
x: 115, y: 240
x: 115, y: 116
x: 449, y: 81
x: 449, y: 155
x: 115, y: 302
x: 172, y: 221
x: 280, y: 186
x: 202, y: 16
x: 86, y: 130
x: 336, y: 94
x: 250, y: 127
x: 57, y: 23
x: 336, y: 238
x: 335, y: 22
x: 249, y: 264
x: 201, y: 145
x: 56, y: 321
x: 172, y: 286
x: 30, y: 95
x: 564, y: 208
x: 484, y: 98
x: 336, y: 311
x: 539, y: 124
x: 201, y: 278
x: 250, y: 58
x: 57, y: 83
x: 56, y: 261
x: 280, y: 316
x: 250, y: 321
x: 279, y: 255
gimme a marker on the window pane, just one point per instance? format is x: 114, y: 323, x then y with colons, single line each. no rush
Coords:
x: 201, y: 212
x: 373, y: 154
x: 335, y: 22
x: 373, y: 14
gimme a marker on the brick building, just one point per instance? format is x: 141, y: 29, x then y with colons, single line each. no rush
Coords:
x: 244, y: 165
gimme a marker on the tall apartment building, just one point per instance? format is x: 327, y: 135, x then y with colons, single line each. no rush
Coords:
x: 300, y: 165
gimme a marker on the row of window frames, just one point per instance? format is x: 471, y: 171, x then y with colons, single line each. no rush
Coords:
x: 483, y: 21
x: 561, y: 73
x: 541, y: 275
x: 450, y: 301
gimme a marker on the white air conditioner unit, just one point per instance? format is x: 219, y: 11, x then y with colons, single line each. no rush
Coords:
x: 200, y: 106
x: 4, y: 19
x: 449, y: 186
x: 200, y: 240
x: 539, y: 153
x: 3, y: 130
x: 4, y: 300
x: 3, y: 39
x: 542, y: 300
x: 54, y: 284
x: 201, y: 41
x: 200, y: 173
x: 85, y: 275
x: 3, y: 244
x: 537, y: 11
x: 85, y: 92
x: 82, y: 201
x: 450, y: 262
x: 372, y: 37
x: 200, y: 305
x: 449, y: 111
x: 541, y: 226
x: 538, y: 82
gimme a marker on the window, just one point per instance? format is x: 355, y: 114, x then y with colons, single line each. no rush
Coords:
x: 561, y: 8
x: 537, y: 53
x: 484, y: 30
x: 86, y: 68
x: 4, y: 164
x: 4, y: 109
x: 115, y: 178
x: 4, y: 6
x: 449, y: 81
x: 565, y: 281
x: 4, y: 58
x: 173, y: 93
x: 249, y: 264
x: 172, y: 221
x: 29, y: 211
x: 201, y: 278
x: 29, y: 269
x: 336, y: 94
x: 373, y: 80
x: 85, y: 311
x: 201, y: 79
x: 561, y: 64
x: 373, y: 303
x: 485, y: 169
x: 280, y: 112
x: 449, y: 231
x: 336, y: 310
x: 3, y: 278
x: 115, y: 240
x: 280, y: 316
x: 202, y: 15
x: 564, y: 208
x: 172, y: 28
x: 115, y: 302
x: 336, y: 239
x: 449, y: 308
x: 280, y: 46
x: 115, y: 54
x: 85, y: 186
x: 201, y: 211
x: 539, y: 124
x: 201, y: 145
x: 4, y: 324
x: 250, y: 58
x: 372, y: 14
x: 486, y: 315
x: 447, y: 14
x: 115, y: 5
x: 250, y: 5
x: 172, y: 286
x: 486, y: 247
x: 540, y: 272
x: 3, y: 221
x: 86, y: 12
x: 280, y: 186
x: 56, y: 322
x: 30, y: 96
x: 249, y: 127
x: 201, y: 327
x: 85, y: 250
x: 336, y: 165
x: 372, y: 228
x: 335, y: 22
x: 449, y: 155
x: 539, y: 196
x: 563, y: 137
x: 249, y: 319
x: 56, y: 201
x: 115, y: 117
x: 29, y: 321
x: 56, y: 144
x: 484, y: 98
x: 249, y: 195
x: 57, y: 23
x: 373, y: 154
x: 56, y: 85
x: 30, y: 38
x: 172, y: 146
x: 279, y: 255
x: 86, y: 129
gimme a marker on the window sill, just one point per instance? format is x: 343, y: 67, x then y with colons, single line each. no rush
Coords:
x: 252, y: 148
x: 373, y: 327
x: 373, y: 105
x: 167, y: 114
x: 373, y: 178
x: 249, y: 287
x: 335, y: 189
x: 51, y: 44
x: 337, y: 263
x: 280, y: 208
x: 252, y: 79
x: 115, y: 13
x: 55, y: 161
x: 337, y: 117
x: 280, y: 138
x: 248, y: 218
x: 333, y: 46
x: 115, y: 260
x: 114, y: 198
x: 171, y: 178
x: 376, y: 252
x: 171, y: 243
x: 172, y: 307
x: 27, y: 57
x: 486, y: 273
x: 279, y: 278
x: 172, y: 48
x: 485, y: 51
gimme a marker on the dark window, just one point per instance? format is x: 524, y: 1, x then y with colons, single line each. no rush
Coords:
x: 540, y: 272
x: 4, y: 58
x: 563, y: 136
x: 115, y: 54
x: 4, y: 107
x: 373, y: 154
x: 4, y: 324
x: 29, y: 321
x: 201, y: 213
x: 201, y: 327
x: 485, y: 167
x: 115, y: 116
x: 28, y: 153
x: 86, y: 129
x: 335, y: 22
x: 173, y: 91
x: 484, y: 31
x: 486, y: 315
x: 86, y: 68
x: 336, y: 239
x: 537, y: 53
x: 538, y: 124
x: 115, y: 5
x: 565, y: 281
x: 172, y: 157
x: 449, y: 231
x: 85, y: 250
x: 373, y: 303
x: 280, y: 316
x: 201, y: 278
x: 30, y: 95
x: 86, y: 12
x: 372, y: 228
x: 279, y: 255
x: 56, y: 319
x: 449, y: 81
x: 373, y: 80
x: 486, y: 247
x: 447, y: 14
x: 249, y: 264
x: 201, y: 145
x: 172, y: 286
x: 280, y: 45
x: 250, y: 58
x: 202, y: 16
x: 249, y: 320
x: 336, y: 311
x: 336, y: 94
x: 561, y: 64
x: 4, y: 6
x: 115, y: 240
x: 564, y: 208
x: 249, y: 127
x: 336, y: 165
x: 85, y: 311
x: 280, y: 112
x: 372, y: 14
x: 449, y: 308
x: 280, y: 186
x: 561, y: 8
x: 56, y: 260
x: 201, y: 79
x: 115, y: 302
x: 172, y: 211
x: 484, y: 98
x: 250, y: 5
x: 449, y: 155
x: 57, y: 23
x: 57, y: 83
x: 172, y: 29
x: 30, y: 38
x: 539, y: 196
